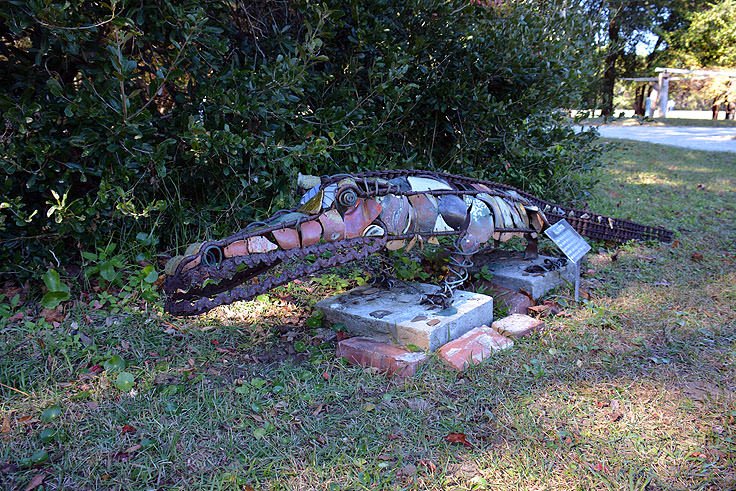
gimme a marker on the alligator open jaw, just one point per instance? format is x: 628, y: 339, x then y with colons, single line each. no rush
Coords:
x: 199, y: 292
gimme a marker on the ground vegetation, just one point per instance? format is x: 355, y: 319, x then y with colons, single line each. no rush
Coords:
x: 630, y: 389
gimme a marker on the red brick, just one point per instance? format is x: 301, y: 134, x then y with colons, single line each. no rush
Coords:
x: 386, y: 357
x: 508, y: 301
x: 517, y: 325
x: 473, y: 347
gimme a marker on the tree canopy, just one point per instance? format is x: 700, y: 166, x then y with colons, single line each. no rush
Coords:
x: 683, y: 33
x: 709, y: 40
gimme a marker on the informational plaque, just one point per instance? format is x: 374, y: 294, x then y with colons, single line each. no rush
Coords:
x: 568, y: 240
x: 572, y: 245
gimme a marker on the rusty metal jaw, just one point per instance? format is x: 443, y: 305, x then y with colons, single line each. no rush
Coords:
x: 246, y: 277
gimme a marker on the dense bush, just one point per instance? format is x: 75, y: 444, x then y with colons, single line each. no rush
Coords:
x: 170, y: 119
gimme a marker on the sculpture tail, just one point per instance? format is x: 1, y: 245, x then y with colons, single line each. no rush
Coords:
x: 602, y: 227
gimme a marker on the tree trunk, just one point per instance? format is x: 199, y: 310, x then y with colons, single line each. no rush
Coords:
x: 609, y: 76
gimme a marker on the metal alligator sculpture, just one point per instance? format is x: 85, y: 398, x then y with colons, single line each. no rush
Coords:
x: 347, y: 217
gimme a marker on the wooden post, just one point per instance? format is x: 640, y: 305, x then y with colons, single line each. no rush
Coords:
x: 639, y: 100
x: 664, y: 84
x: 654, y: 94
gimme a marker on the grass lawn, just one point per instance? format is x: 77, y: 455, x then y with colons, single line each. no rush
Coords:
x: 700, y: 123
x: 633, y: 390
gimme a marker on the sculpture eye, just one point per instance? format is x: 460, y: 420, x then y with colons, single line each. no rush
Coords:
x: 347, y: 197
x: 212, y: 256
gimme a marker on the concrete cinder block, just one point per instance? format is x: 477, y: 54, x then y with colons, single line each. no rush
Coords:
x: 473, y: 347
x: 510, y: 271
x: 387, y: 358
x: 517, y: 325
x: 397, y: 314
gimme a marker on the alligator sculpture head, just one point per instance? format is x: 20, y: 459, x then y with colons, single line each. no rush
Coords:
x: 346, y: 217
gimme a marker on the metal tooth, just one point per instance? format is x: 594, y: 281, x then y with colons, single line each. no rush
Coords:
x: 332, y: 225
x: 395, y: 213
x: 237, y: 248
x: 259, y: 245
x: 360, y: 216
x: 373, y: 231
x: 514, y: 212
x: 310, y: 232
x: 400, y: 184
x: 506, y: 216
x: 481, y: 221
x: 427, y: 184
x: 600, y: 219
x: 584, y: 216
x: 441, y: 226
x: 328, y: 196
x: 287, y: 238
x: 453, y: 210
x: 412, y: 219
x: 313, y: 204
x: 425, y: 211
x: 523, y: 214
x: 309, y: 195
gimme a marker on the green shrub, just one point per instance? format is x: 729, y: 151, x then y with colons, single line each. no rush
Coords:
x: 176, y: 119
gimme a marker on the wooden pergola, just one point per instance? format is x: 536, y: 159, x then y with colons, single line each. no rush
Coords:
x: 661, y: 83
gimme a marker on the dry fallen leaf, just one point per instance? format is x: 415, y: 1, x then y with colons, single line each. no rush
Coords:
x: 458, y: 438
x: 428, y: 464
x: 53, y: 315
x: 134, y: 448
x: 5, y: 428
x: 36, y: 481
x: 528, y: 295
x: 538, y: 309
x: 697, y: 256
x: 585, y: 294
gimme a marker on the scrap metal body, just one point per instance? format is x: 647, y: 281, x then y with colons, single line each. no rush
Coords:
x: 347, y: 217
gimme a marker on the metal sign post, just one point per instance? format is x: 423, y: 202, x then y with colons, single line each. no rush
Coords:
x: 572, y: 245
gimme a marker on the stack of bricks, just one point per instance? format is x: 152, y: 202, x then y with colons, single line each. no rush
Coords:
x: 471, y: 348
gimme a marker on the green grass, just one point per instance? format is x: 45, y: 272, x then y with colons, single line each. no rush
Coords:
x: 633, y: 391
x: 700, y: 123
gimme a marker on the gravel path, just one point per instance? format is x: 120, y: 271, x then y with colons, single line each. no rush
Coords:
x: 713, y: 139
